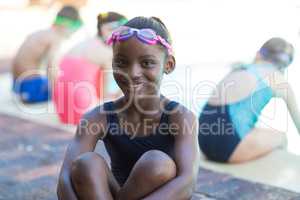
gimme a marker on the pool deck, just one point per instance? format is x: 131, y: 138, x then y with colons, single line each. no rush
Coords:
x: 31, y: 155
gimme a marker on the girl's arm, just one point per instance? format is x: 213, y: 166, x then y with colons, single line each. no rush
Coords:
x: 186, y: 158
x: 284, y: 90
x: 85, y: 140
x: 293, y: 107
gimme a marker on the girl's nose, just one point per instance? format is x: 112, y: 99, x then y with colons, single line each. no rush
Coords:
x: 135, y: 72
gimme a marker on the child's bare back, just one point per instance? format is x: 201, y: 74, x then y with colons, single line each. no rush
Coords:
x: 36, y: 50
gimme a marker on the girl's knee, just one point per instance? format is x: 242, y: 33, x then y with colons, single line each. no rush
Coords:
x: 82, y: 168
x: 157, y: 165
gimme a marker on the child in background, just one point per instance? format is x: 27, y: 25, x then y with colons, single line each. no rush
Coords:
x: 151, y: 140
x: 85, y: 75
x: 39, y: 51
x: 228, y: 131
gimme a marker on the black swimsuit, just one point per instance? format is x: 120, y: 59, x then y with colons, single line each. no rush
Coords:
x: 125, y: 151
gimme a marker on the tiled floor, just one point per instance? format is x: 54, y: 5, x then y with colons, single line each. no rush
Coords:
x: 31, y: 155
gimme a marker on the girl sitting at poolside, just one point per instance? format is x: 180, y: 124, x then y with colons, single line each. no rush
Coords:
x: 237, y: 102
x: 152, y: 141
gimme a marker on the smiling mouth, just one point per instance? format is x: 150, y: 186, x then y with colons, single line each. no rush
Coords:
x: 135, y: 85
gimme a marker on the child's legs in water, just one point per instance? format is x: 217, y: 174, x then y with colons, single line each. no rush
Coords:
x: 258, y: 143
x: 92, y: 179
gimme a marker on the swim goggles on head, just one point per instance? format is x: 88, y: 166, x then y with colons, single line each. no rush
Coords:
x: 282, y: 58
x: 147, y: 36
x: 67, y: 22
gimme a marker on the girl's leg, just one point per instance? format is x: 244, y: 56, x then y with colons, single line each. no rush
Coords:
x: 150, y: 172
x: 258, y: 143
x: 92, y: 178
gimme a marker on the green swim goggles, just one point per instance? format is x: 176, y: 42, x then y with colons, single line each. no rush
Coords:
x: 67, y: 22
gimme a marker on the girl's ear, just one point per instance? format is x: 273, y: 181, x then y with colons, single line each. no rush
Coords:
x: 258, y: 56
x: 169, y: 64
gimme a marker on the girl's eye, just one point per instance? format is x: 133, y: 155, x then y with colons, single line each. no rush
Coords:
x: 148, y: 63
x: 119, y: 63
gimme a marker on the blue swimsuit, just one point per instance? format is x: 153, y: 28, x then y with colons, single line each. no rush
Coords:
x: 33, y: 90
x: 125, y: 152
x: 221, y: 128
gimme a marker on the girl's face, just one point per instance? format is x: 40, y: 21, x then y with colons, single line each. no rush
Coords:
x: 106, y: 31
x: 139, y: 68
x: 108, y: 28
